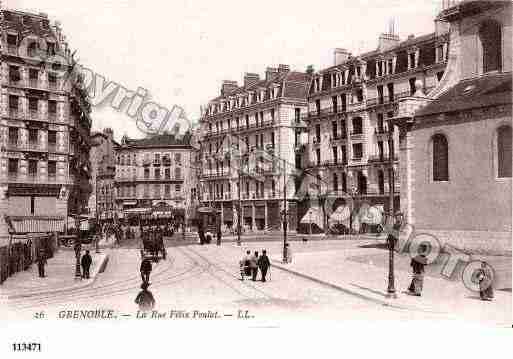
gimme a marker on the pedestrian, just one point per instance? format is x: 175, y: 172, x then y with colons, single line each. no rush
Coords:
x: 254, y: 266
x: 418, y: 263
x: 264, y: 264
x: 218, y: 235
x: 485, y: 279
x: 86, y: 264
x: 145, y: 298
x: 41, y: 262
x: 288, y: 253
x: 145, y: 270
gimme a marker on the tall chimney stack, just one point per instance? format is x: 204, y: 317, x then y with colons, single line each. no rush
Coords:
x: 228, y: 87
x: 250, y: 79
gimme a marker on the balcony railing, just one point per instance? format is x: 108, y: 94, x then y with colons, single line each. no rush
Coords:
x: 15, y: 113
x: 34, y: 83
x: 52, y: 116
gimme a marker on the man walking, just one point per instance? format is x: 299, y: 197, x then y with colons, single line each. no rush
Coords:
x: 253, y: 263
x: 145, y: 270
x: 86, y: 264
x: 264, y: 264
x: 145, y: 298
x: 41, y: 262
x: 418, y: 263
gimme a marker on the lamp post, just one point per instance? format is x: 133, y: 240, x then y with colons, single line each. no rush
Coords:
x: 353, y: 192
x: 238, y: 208
x: 285, y: 254
x: 391, y: 186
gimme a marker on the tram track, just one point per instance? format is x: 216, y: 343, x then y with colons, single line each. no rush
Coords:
x: 113, y: 288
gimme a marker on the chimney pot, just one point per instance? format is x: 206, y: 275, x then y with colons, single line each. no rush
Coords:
x: 250, y: 78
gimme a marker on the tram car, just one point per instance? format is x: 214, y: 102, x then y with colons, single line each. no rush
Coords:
x: 153, y: 246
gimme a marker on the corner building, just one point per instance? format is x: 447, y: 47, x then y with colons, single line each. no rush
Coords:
x: 45, y: 126
x: 349, y: 105
x: 261, y: 115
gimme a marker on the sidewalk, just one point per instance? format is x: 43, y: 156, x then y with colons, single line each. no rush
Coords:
x: 368, y: 281
x: 60, y: 276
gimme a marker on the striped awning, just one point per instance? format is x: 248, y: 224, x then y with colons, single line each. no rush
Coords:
x: 36, y: 224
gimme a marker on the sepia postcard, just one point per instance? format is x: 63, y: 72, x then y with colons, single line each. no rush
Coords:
x: 255, y: 176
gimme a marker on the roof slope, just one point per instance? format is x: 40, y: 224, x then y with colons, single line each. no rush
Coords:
x: 485, y: 91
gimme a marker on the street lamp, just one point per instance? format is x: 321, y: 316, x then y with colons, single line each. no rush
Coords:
x: 391, y: 186
x: 353, y: 192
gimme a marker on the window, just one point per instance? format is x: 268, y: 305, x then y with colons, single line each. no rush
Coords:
x: 146, y: 173
x: 13, y: 103
x: 343, y: 98
x: 344, y: 154
x: 412, y: 85
x: 359, y: 95
x: 178, y: 173
x: 362, y: 183
x: 380, y: 128
x: 167, y: 173
x: 318, y: 156
x: 13, y: 166
x: 156, y: 190
x: 52, y: 138
x: 317, y: 133
x: 440, y: 53
x: 357, y: 125
x: 52, y: 80
x: 32, y: 168
x: 272, y: 139
x: 33, y: 136
x: 167, y: 190
x: 52, y: 168
x: 381, y: 182
x: 335, y: 155
x: 50, y: 48
x: 157, y: 173
x: 33, y: 105
x: 440, y: 158
x: 13, y: 135
x: 334, y: 103
x: 178, y: 158
x: 380, y: 94
x: 390, y: 66
x: 14, y: 74
x: 297, y: 114
x: 52, y: 107
x: 491, y: 42
x: 272, y: 114
x: 12, y: 40
x: 334, y: 129
x: 335, y: 182
x: 390, y: 88
x: 32, y: 49
x: 344, y: 182
x: 411, y: 57
x: 33, y: 77
x: 357, y: 151
x: 381, y: 154
x: 156, y: 158
x: 318, y: 106
x: 504, y: 151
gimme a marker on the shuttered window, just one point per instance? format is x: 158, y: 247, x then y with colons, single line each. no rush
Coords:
x: 440, y: 158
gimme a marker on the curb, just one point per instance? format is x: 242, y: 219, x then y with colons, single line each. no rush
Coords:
x: 101, y: 268
x: 341, y: 289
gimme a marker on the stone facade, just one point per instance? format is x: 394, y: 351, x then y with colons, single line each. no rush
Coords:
x: 44, y: 126
x: 471, y: 208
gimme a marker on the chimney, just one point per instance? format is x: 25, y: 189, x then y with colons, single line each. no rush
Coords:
x: 283, y: 68
x: 228, y: 87
x: 387, y: 41
x: 270, y: 72
x: 250, y: 79
x: 340, y: 56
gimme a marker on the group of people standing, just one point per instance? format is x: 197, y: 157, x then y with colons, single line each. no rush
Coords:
x: 251, y: 263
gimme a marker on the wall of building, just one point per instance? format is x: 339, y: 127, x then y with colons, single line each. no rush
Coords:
x: 474, y: 203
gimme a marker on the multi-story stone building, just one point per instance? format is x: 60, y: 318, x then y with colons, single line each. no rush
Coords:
x: 44, y: 126
x: 152, y: 173
x: 259, y: 119
x: 102, y: 202
x: 349, y: 104
x: 455, y: 143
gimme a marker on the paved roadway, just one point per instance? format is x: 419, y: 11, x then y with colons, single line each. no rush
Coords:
x: 207, y: 278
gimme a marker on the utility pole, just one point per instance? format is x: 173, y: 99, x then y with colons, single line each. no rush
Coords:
x: 238, y: 208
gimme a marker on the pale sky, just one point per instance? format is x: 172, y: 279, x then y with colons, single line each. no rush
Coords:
x: 181, y: 51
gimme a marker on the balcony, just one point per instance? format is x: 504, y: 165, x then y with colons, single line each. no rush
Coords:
x: 338, y: 138
x: 35, y: 147
x: 357, y: 135
x: 156, y: 163
x: 15, y: 113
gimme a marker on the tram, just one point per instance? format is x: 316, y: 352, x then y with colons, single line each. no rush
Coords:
x: 208, y: 222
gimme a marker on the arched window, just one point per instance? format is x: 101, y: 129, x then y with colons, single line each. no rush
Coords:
x: 335, y: 182
x: 504, y: 152
x: 440, y: 158
x: 491, y: 41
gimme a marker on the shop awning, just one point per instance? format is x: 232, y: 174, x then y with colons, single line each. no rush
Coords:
x: 341, y: 215
x: 36, y: 224
x: 313, y: 216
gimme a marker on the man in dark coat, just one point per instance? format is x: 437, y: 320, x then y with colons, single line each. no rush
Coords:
x: 41, y: 262
x: 418, y: 263
x: 264, y: 264
x: 145, y: 298
x: 86, y: 264
x: 253, y: 263
x: 485, y: 279
x: 145, y: 270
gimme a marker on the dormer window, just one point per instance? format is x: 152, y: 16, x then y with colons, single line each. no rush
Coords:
x: 490, y: 38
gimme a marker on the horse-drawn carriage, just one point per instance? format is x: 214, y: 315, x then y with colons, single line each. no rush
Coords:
x: 153, y: 247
